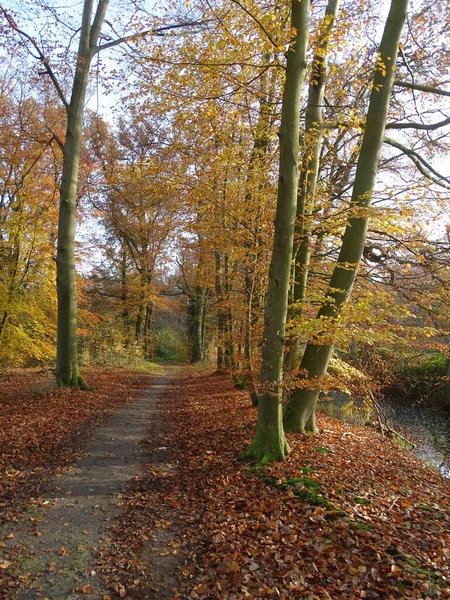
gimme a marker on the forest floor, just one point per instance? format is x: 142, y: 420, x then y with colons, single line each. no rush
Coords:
x: 348, y: 515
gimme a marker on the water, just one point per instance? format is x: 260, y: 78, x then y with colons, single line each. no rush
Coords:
x: 428, y: 428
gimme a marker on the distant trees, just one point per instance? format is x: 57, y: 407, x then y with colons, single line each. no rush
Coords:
x: 92, y: 40
x: 133, y: 195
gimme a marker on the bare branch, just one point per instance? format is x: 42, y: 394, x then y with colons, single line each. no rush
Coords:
x: 97, y: 23
x: 41, y: 56
x: 421, y: 88
x: 423, y: 126
x: 422, y: 165
x: 160, y: 31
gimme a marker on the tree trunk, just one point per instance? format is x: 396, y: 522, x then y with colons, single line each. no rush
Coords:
x: 309, y: 176
x: 269, y: 442
x: 230, y: 361
x: 67, y: 372
x: 124, y: 297
x: 221, y: 315
x: 300, y: 410
x: 3, y: 323
x: 198, y: 323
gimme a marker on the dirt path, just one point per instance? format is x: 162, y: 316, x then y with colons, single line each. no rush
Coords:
x: 54, y: 547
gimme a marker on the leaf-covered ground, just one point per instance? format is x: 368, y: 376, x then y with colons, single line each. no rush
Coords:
x: 348, y: 515
x: 42, y: 427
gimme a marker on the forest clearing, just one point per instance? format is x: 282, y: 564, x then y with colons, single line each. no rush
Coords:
x: 219, y: 220
x: 349, y: 514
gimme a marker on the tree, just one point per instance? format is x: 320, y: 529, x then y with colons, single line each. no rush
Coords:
x: 269, y: 442
x: 139, y: 211
x: 309, y: 174
x: 67, y: 372
x: 29, y: 170
x: 91, y: 41
x: 300, y: 410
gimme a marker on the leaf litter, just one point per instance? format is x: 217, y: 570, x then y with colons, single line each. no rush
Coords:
x: 365, y: 519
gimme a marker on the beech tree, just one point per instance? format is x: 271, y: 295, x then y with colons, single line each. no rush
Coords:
x: 92, y: 40
x: 30, y: 167
x: 67, y: 372
x: 300, y: 410
x: 132, y: 194
x: 269, y: 442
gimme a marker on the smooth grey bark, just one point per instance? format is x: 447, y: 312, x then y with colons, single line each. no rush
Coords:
x: 301, y: 407
x: 269, y: 442
x: 67, y: 372
x: 309, y: 174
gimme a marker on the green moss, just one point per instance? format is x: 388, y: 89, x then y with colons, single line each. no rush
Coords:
x: 307, y: 470
x: 359, y: 500
x: 360, y: 526
x: 321, y: 450
x: 309, y: 490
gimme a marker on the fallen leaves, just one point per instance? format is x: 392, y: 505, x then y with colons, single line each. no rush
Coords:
x: 348, y: 515
x: 345, y: 517
x: 43, y: 427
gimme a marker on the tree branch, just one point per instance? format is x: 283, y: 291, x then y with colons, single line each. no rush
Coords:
x: 41, y: 56
x: 258, y: 22
x: 159, y: 31
x: 421, y: 164
x: 423, y: 126
x: 96, y: 26
x: 421, y: 88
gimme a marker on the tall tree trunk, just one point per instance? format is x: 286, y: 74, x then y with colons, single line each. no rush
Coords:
x: 147, y: 332
x: 301, y: 408
x: 124, y: 297
x: 3, y: 323
x: 230, y: 361
x: 221, y: 315
x: 67, y: 372
x: 269, y: 442
x: 197, y: 329
x: 309, y: 175
x: 255, y: 196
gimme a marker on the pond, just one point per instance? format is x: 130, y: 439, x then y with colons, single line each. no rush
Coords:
x: 428, y: 428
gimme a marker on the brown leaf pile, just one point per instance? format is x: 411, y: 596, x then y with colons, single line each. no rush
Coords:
x: 348, y: 515
x: 43, y: 427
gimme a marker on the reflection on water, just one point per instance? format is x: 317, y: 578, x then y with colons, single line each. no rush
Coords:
x: 426, y: 427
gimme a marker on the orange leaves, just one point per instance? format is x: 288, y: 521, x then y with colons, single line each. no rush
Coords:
x: 38, y: 422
